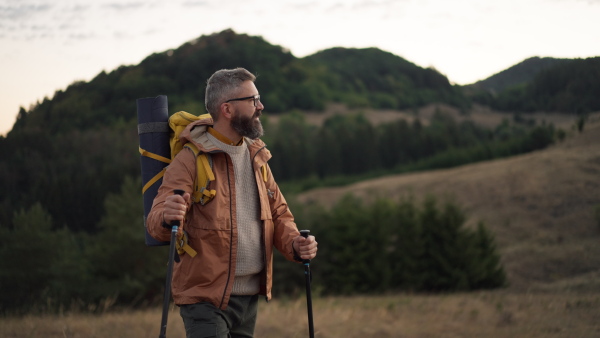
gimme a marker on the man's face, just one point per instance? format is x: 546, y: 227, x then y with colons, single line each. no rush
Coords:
x: 245, y: 120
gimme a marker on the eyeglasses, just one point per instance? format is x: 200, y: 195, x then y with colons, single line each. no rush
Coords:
x: 256, y: 98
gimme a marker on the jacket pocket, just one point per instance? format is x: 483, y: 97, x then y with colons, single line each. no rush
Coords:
x: 212, y: 216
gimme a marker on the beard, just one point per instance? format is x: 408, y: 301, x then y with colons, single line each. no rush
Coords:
x: 247, y: 126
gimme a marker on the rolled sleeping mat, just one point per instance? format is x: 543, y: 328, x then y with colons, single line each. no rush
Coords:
x: 155, y: 150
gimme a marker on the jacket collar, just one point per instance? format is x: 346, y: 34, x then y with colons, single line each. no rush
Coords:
x: 197, y: 132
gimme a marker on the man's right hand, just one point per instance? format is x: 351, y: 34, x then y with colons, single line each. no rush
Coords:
x: 175, y: 207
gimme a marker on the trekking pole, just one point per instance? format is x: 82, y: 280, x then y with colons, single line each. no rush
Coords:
x: 308, y: 277
x: 172, y: 253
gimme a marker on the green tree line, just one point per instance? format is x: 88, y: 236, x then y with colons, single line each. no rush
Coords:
x: 373, y: 247
x: 349, y: 147
x: 384, y: 246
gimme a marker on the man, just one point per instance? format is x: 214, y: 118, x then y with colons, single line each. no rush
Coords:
x: 233, y: 234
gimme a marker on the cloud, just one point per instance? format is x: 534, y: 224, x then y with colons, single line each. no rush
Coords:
x: 195, y: 3
x: 304, y: 6
x: 26, y: 20
x: 124, y: 6
x: 80, y: 8
x: 367, y: 4
x: 81, y: 36
x: 66, y: 26
x: 22, y: 10
x: 36, y: 27
x: 65, y: 22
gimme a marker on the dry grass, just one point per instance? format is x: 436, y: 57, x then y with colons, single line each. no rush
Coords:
x: 143, y: 323
x: 479, y: 114
x: 483, y: 314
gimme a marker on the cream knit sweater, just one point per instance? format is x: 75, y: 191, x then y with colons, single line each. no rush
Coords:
x: 250, y: 260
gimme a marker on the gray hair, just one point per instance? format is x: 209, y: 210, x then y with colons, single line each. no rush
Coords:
x: 222, y: 85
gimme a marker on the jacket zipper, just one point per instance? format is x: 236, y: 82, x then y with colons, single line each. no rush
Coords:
x: 231, y: 233
x: 264, y: 245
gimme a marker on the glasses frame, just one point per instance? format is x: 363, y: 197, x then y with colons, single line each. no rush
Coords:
x: 256, y: 98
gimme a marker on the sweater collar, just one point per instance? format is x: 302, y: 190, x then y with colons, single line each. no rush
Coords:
x: 223, y: 138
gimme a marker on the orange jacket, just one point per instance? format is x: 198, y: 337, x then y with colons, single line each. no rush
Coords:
x: 212, y: 228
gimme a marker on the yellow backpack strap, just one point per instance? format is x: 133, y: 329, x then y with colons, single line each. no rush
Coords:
x: 160, y: 174
x: 183, y: 246
x: 204, y: 175
x: 157, y: 157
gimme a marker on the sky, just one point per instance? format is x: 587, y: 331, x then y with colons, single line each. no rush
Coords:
x: 45, y: 45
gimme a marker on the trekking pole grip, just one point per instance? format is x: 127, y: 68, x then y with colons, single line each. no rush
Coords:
x: 174, y: 228
x: 180, y: 193
x: 305, y: 233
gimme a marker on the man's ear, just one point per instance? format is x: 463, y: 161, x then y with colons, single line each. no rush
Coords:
x: 225, y: 110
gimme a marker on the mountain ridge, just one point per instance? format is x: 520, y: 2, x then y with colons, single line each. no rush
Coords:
x: 517, y: 74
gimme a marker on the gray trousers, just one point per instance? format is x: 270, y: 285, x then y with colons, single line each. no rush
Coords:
x: 206, y: 320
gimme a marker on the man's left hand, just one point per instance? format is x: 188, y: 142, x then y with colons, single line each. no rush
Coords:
x: 306, y: 248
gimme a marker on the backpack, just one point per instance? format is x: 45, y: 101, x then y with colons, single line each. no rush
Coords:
x: 177, y: 123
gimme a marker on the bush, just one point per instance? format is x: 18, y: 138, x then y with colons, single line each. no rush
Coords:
x: 386, y: 246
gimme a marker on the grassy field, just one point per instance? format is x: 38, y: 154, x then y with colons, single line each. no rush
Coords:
x: 500, y: 313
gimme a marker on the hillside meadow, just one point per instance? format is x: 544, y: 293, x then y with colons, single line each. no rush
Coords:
x: 540, y: 206
x: 500, y: 313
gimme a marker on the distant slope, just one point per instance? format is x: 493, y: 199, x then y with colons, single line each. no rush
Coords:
x: 569, y: 86
x: 539, y: 205
x: 520, y: 73
x: 382, y: 79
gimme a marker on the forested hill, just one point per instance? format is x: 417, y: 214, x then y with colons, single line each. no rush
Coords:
x: 358, y: 77
x: 558, y: 85
x: 285, y: 81
x: 382, y: 80
x: 519, y: 74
